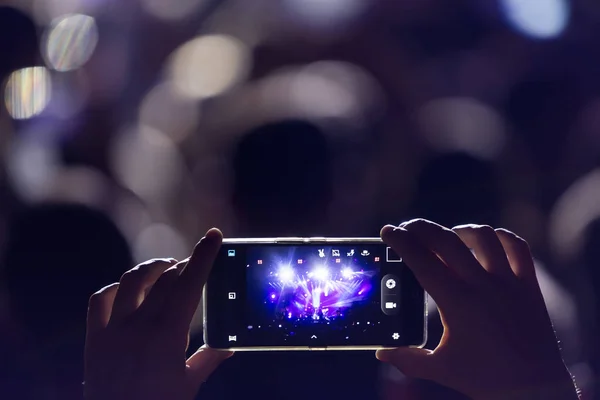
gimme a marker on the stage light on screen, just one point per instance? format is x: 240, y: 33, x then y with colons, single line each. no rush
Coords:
x: 316, y: 293
x: 321, y: 274
x: 286, y: 274
x: 540, y: 19
x: 70, y: 42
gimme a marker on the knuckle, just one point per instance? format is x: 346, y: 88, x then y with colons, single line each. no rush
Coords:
x: 131, y: 276
x: 153, y: 261
x: 413, y: 223
x: 485, y: 230
x: 418, y: 225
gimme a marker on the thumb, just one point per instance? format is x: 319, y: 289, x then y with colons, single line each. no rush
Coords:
x: 202, y: 364
x: 412, y: 362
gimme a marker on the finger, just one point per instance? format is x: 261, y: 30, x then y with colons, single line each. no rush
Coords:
x: 99, y: 308
x: 412, y: 362
x: 188, y: 292
x: 448, y: 246
x: 519, y: 254
x: 440, y: 282
x: 154, y: 302
x: 134, y: 284
x: 202, y: 364
x: 487, y: 247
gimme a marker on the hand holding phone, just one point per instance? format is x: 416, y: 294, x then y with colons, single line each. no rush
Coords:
x: 312, y: 294
x: 138, y: 331
x: 498, y: 340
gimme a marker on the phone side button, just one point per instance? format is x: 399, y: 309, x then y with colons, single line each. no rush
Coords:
x: 317, y: 348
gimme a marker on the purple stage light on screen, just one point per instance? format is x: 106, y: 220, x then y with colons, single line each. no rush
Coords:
x: 286, y: 274
x: 316, y: 291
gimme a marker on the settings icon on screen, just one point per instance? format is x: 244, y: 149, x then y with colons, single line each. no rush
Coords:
x: 396, y: 336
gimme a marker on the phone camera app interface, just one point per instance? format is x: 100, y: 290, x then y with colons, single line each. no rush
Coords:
x: 310, y: 295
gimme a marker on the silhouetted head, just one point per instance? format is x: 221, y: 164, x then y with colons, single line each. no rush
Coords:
x: 56, y: 256
x: 283, y: 174
x: 456, y: 189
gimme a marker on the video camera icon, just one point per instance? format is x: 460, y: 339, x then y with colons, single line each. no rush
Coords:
x: 390, y: 305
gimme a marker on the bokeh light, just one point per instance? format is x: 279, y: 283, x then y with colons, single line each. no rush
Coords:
x: 541, y: 19
x: 209, y: 65
x: 80, y: 185
x: 157, y: 240
x: 325, y: 14
x: 572, y: 214
x: 322, y: 90
x: 32, y: 165
x: 28, y: 92
x: 148, y: 163
x: 463, y: 124
x: 164, y: 109
x: 70, y: 95
x: 70, y: 42
x: 45, y: 11
x: 173, y: 10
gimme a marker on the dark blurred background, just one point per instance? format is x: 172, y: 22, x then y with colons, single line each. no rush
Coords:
x: 128, y: 128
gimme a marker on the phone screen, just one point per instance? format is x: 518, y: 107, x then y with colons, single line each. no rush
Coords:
x: 312, y: 295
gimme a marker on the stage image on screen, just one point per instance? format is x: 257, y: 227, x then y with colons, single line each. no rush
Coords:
x: 308, y: 290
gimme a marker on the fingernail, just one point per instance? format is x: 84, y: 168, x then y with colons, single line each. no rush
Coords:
x: 386, y: 230
x: 211, y: 234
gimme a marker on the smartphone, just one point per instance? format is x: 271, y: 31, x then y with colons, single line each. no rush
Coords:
x: 312, y: 294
